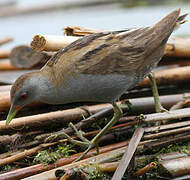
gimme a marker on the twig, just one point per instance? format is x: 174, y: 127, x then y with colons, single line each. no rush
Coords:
x: 168, y: 133
x: 21, y: 155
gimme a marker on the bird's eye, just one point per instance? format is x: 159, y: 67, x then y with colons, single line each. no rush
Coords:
x: 24, y: 95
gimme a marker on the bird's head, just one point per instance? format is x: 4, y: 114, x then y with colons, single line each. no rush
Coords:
x: 22, y: 93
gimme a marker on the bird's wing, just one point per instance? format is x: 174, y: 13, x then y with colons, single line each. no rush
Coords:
x: 101, y: 53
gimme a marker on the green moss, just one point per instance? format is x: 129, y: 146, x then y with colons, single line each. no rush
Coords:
x: 51, y: 155
x: 95, y: 173
x: 180, y: 147
x: 8, y: 167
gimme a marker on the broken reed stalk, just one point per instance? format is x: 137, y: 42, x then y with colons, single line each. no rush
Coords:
x: 179, y: 61
x: 176, y: 167
x: 4, y: 54
x: 145, y: 169
x: 178, y: 47
x: 169, y: 76
x: 4, y: 100
x: 6, y: 65
x: 108, y: 167
x: 167, y: 126
x: 79, y: 31
x: 175, y: 114
x: 5, y: 40
x: 50, y: 42
x: 169, y: 132
x: 170, y: 140
x: 14, y: 138
x: 26, y: 57
x: 5, y: 88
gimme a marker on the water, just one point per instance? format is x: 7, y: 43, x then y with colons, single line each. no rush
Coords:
x: 24, y: 27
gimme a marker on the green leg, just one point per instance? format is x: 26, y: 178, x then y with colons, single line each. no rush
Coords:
x: 158, y: 106
x: 94, y: 142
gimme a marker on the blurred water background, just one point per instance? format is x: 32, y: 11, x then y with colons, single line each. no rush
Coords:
x: 110, y: 16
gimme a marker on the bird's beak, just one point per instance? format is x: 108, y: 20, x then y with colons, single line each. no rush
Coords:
x: 12, y: 112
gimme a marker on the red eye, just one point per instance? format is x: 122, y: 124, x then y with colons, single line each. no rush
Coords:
x: 24, y: 95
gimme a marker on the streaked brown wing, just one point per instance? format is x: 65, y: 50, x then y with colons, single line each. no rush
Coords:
x: 102, y: 53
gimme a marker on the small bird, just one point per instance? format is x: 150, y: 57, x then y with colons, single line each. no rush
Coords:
x: 96, y: 68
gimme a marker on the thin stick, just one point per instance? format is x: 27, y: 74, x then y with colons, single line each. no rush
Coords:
x: 168, y: 126
x: 21, y: 155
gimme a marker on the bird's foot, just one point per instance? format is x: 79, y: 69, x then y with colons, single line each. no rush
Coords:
x: 84, y: 142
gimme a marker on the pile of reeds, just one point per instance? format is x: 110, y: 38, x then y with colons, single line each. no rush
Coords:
x: 159, y: 140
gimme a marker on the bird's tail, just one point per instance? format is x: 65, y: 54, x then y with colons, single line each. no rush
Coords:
x: 168, y: 24
x: 181, y: 20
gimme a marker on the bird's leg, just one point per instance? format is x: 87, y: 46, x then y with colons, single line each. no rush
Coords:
x: 158, y: 106
x: 82, y: 143
x: 94, y: 142
x: 79, y: 133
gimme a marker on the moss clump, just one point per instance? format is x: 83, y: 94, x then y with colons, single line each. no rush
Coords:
x: 175, y: 147
x: 95, y: 173
x: 51, y: 155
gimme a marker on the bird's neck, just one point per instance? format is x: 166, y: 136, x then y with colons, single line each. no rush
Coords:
x: 43, y: 88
